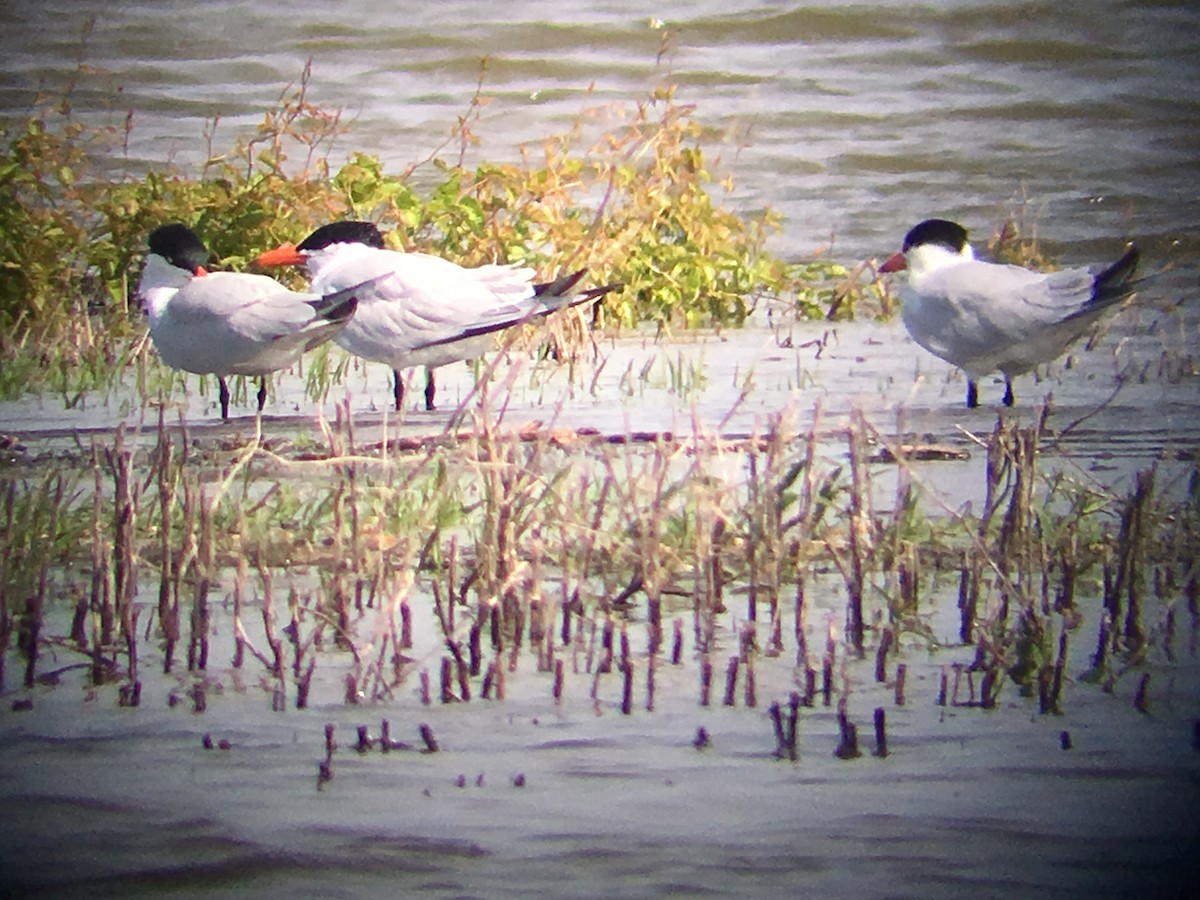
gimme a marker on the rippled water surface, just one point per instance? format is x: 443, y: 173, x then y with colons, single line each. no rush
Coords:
x: 854, y: 120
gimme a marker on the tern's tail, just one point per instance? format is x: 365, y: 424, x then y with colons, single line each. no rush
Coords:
x: 559, y: 287
x: 556, y: 294
x: 549, y: 297
x: 1114, y: 283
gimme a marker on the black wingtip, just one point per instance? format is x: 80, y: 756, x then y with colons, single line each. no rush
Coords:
x: 1114, y: 280
x: 596, y: 293
x: 550, y: 291
x: 339, y: 306
x: 346, y: 310
x: 559, y: 286
x: 336, y: 307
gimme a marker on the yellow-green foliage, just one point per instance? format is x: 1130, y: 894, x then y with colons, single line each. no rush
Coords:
x: 636, y: 206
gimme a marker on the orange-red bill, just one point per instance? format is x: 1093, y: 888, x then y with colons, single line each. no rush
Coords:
x: 895, y: 263
x: 283, y: 255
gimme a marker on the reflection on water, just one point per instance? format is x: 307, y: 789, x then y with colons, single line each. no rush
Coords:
x: 105, y: 800
x: 102, y: 799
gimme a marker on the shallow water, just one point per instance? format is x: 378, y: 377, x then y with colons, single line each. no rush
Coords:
x: 733, y: 384
x: 103, y: 799
x: 100, y: 799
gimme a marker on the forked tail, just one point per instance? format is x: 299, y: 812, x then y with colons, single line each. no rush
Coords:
x: 555, y: 295
x: 551, y: 296
x: 559, y: 287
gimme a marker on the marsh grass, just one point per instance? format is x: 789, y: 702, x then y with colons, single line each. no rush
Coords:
x: 554, y: 548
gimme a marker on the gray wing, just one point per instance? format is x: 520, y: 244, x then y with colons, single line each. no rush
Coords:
x: 253, y: 307
x: 235, y: 323
x: 419, y: 301
x: 1010, y: 299
x: 983, y: 317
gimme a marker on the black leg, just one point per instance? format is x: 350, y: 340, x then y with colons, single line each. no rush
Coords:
x: 262, y: 394
x: 1008, y: 391
x: 972, y: 394
x: 430, y: 390
x: 398, y: 389
x: 223, y: 393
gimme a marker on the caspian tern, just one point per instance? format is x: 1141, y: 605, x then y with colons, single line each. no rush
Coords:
x: 986, y: 317
x: 227, y: 323
x: 422, y: 310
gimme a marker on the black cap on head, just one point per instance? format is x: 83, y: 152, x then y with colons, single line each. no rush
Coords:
x: 948, y: 234
x: 179, y: 245
x: 349, y: 232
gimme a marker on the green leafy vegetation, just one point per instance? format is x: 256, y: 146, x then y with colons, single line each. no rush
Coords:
x: 636, y: 205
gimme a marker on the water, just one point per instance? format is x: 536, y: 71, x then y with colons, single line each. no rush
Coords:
x: 854, y: 120
x: 575, y: 799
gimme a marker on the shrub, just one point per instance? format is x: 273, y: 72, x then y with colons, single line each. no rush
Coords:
x: 637, y: 206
